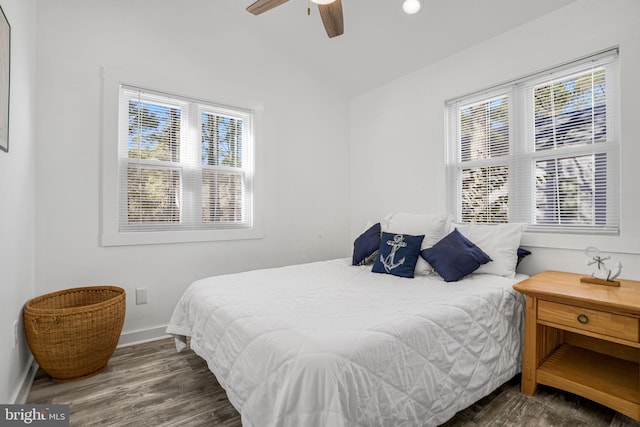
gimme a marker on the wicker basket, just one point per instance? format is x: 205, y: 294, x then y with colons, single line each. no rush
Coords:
x: 73, y: 333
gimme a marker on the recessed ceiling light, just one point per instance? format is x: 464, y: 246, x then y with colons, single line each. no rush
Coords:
x: 410, y: 7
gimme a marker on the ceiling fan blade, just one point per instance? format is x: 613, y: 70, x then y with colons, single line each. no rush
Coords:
x: 332, y: 18
x: 262, y: 6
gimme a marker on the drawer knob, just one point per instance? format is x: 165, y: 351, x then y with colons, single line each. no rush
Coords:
x: 582, y: 318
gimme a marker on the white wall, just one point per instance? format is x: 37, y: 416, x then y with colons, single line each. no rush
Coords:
x: 398, y: 130
x: 17, y: 197
x: 197, y: 49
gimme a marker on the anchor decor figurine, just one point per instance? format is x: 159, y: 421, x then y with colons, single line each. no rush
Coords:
x: 600, y: 274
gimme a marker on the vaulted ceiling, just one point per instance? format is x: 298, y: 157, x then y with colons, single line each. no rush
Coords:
x: 381, y: 42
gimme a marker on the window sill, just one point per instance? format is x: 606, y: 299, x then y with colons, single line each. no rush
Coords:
x: 170, y: 237
x: 611, y: 243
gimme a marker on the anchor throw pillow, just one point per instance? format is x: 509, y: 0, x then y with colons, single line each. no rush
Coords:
x: 398, y: 254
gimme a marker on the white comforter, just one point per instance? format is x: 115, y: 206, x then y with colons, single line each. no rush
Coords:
x: 330, y: 344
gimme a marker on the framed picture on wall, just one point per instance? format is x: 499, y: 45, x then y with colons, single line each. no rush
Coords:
x: 5, y: 57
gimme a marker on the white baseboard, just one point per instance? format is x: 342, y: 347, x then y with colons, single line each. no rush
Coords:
x: 142, y: 336
x: 28, y: 376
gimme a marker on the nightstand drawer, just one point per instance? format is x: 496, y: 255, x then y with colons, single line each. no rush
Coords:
x: 600, y: 322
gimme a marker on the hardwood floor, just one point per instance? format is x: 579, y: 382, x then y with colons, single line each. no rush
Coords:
x: 152, y: 385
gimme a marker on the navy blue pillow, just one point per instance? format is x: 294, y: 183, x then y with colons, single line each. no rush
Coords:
x: 522, y: 254
x: 366, y: 245
x: 398, y: 254
x: 455, y: 256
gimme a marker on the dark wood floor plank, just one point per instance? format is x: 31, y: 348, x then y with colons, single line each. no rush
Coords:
x: 152, y: 385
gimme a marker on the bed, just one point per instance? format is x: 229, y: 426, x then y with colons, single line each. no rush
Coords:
x: 333, y: 344
x: 420, y: 323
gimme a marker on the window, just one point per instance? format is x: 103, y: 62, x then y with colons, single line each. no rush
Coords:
x: 542, y: 150
x: 183, y: 164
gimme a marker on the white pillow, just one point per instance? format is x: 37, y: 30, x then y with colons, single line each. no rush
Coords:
x: 499, y: 241
x: 433, y: 226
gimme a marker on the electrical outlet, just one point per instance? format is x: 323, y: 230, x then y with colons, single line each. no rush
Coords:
x: 142, y: 296
x: 15, y: 333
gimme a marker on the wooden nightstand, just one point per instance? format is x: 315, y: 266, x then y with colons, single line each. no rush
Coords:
x: 583, y: 338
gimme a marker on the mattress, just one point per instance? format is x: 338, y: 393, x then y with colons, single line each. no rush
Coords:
x: 331, y: 344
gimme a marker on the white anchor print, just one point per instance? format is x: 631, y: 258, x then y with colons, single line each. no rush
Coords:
x: 389, y: 262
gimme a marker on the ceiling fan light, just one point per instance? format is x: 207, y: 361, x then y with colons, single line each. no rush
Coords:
x: 322, y: 1
x: 410, y: 7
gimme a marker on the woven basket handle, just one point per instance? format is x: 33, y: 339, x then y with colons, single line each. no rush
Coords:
x: 49, y: 325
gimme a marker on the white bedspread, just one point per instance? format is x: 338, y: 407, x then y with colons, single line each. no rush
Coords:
x: 330, y: 344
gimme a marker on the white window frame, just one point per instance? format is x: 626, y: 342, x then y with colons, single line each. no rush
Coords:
x: 522, y: 156
x: 114, y: 165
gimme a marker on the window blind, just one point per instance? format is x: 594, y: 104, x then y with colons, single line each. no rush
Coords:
x: 542, y: 150
x: 184, y: 164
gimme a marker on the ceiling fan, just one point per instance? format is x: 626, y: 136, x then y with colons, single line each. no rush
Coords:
x: 330, y: 12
